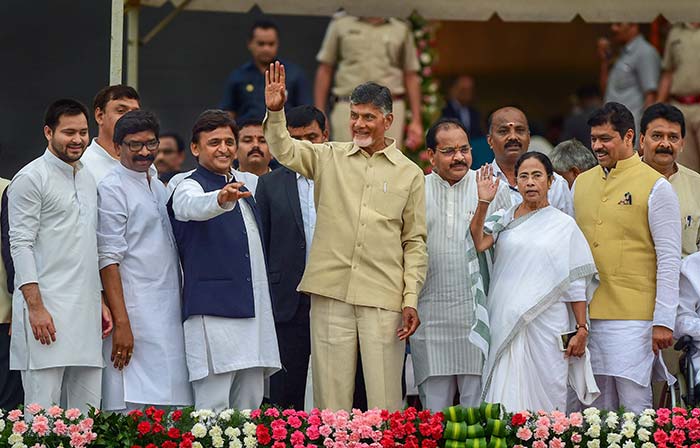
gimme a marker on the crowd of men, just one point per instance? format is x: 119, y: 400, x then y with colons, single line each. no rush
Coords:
x: 134, y: 284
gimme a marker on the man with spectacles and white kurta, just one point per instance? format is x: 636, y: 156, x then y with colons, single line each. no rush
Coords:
x: 140, y: 272
x: 56, y: 334
x: 445, y: 360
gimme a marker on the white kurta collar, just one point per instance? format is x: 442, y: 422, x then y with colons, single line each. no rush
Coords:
x: 65, y: 167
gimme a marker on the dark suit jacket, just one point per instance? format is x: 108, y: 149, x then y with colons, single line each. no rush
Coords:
x: 277, y: 197
x: 474, y: 128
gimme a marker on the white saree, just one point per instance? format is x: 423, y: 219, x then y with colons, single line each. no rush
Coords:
x: 541, y: 262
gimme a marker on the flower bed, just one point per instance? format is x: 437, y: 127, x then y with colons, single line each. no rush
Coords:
x: 271, y: 427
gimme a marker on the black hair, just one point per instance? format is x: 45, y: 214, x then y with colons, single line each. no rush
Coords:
x: 133, y: 122
x: 179, y: 142
x: 114, y: 92
x: 64, y: 106
x: 617, y: 115
x: 213, y: 119
x: 665, y: 111
x: 250, y: 121
x: 441, y: 124
x: 374, y: 94
x: 535, y: 155
x: 263, y: 24
x: 304, y: 115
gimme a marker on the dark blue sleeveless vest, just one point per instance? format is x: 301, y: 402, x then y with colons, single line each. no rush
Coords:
x: 215, y: 258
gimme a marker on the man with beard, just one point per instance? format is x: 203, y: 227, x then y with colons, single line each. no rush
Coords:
x: 109, y: 105
x: 56, y: 329
x: 444, y: 359
x: 509, y: 137
x: 253, y: 154
x: 140, y: 272
x: 245, y: 87
x: 631, y: 219
x: 368, y: 258
x: 661, y: 142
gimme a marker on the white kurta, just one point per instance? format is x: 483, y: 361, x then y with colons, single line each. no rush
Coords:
x: 611, y: 352
x: 250, y: 180
x: 134, y: 232
x: 541, y: 261
x: 559, y: 195
x: 688, y: 320
x: 441, y: 344
x: 233, y: 344
x: 53, y: 215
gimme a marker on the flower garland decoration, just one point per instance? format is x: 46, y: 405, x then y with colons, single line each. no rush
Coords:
x: 431, y: 102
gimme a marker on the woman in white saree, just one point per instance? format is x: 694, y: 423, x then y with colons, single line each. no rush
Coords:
x: 542, y: 270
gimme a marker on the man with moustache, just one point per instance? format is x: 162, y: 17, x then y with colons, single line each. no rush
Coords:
x: 285, y: 197
x: 140, y: 272
x: 253, y: 154
x: 109, y: 105
x: 445, y: 360
x: 170, y: 156
x: 230, y: 339
x: 509, y: 137
x: 368, y: 258
x: 661, y: 142
x: 630, y: 216
x: 56, y: 331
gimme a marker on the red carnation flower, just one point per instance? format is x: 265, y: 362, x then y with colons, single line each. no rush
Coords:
x: 177, y: 415
x: 518, y: 419
x: 174, y: 433
x: 263, y: 434
x: 143, y: 428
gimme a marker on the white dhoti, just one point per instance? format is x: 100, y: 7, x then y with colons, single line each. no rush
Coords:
x: 69, y: 387
x: 438, y: 392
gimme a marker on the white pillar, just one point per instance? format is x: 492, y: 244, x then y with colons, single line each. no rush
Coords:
x: 132, y: 52
x: 116, y: 43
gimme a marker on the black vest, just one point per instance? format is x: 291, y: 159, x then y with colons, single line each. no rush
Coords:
x: 215, y: 258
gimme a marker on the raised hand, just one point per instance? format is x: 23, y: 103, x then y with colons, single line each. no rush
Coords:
x: 275, y: 87
x: 485, y: 184
x: 231, y: 193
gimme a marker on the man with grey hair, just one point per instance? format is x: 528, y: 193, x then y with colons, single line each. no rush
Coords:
x: 368, y: 258
x: 571, y: 158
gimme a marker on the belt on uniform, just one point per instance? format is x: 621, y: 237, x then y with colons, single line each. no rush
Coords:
x: 687, y: 99
x: 346, y: 99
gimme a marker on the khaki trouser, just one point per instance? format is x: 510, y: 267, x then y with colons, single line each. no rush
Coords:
x: 336, y: 327
x: 340, y: 123
x: 690, y: 156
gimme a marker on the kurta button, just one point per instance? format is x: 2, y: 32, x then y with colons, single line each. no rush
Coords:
x: 595, y: 244
x: 248, y: 279
x: 600, y: 221
x: 247, y: 256
x: 605, y: 199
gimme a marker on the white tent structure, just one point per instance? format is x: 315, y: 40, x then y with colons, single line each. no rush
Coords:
x: 600, y: 11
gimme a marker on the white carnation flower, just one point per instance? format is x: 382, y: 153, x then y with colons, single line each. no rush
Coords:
x: 593, y: 444
x: 627, y: 416
x: 648, y: 445
x: 235, y: 443
x: 250, y: 442
x: 629, y: 444
x: 651, y: 412
x: 226, y: 415
x: 593, y: 431
x: 628, y: 429
x: 199, y: 430
x: 197, y: 445
x: 232, y: 432
x: 2, y: 425
x: 217, y: 441
x: 593, y: 419
x: 245, y: 413
x: 612, y: 420
x: 249, y: 428
x: 590, y: 411
x: 215, y: 431
x: 614, y: 445
x: 425, y: 58
x: 646, y: 421
x: 614, y: 438
x: 643, y: 434
x: 15, y: 438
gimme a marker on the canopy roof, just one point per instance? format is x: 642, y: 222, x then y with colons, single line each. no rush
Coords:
x: 508, y: 10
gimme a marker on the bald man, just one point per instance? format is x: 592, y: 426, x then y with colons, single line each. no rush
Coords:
x: 509, y: 137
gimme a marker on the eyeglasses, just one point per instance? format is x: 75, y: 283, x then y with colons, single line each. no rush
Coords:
x: 138, y: 146
x: 450, y: 152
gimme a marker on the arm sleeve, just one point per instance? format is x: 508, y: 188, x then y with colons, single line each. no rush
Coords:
x: 328, y: 53
x: 111, y: 225
x: 649, y: 70
x: 410, y: 55
x: 297, y: 155
x: 667, y: 63
x: 665, y: 227
x: 688, y: 319
x: 413, y: 240
x: 561, y: 196
x: 576, y: 291
x: 24, y: 207
x: 5, y: 238
x: 191, y: 203
x: 229, y: 100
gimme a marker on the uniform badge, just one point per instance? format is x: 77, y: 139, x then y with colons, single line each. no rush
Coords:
x: 249, y: 88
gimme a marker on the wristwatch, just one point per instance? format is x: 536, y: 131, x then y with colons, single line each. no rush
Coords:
x: 584, y: 326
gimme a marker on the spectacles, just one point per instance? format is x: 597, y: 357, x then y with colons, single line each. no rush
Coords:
x: 450, y: 152
x: 135, y: 146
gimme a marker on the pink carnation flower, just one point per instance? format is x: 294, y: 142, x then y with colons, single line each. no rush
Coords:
x: 556, y: 443
x: 297, y: 438
x: 272, y: 412
x: 695, y: 412
x: 294, y: 421
x: 33, y: 408
x: 86, y: 425
x: 524, y: 433
x: 312, y: 432
x: 59, y: 427
x: 54, y: 411
x: 20, y: 427
x: 325, y: 430
x: 40, y: 425
x: 576, y: 438
x: 539, y: 444
x: 14, y: 415
x: 576, y: 419
x: 73, y: 413
x: 541, y: 432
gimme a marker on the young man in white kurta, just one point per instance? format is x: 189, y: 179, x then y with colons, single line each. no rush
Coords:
x: 109, y: 105
x: 134, y: 235
x: 444, y: 360
x: 56, y: 324
x: 227, y: 358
